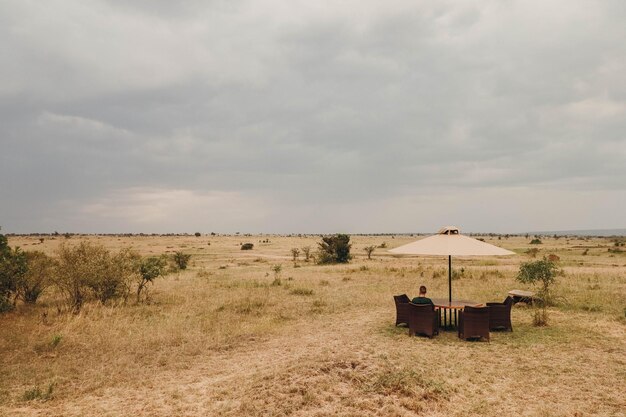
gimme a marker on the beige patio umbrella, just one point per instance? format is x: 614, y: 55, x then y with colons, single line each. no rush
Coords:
x: 450, y: 242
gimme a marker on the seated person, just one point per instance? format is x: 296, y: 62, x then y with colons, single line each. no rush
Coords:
x: 422, y: 299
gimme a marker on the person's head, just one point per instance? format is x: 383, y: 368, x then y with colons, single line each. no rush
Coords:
x: 422, y: 290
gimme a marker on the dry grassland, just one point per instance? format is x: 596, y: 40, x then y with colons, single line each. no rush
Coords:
x: 228, y: 337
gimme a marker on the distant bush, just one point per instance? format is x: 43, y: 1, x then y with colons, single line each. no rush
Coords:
x: 306, y: 250
x: 197, y: 234
x: 542, y: 272
x: 535, y: 242
x: 334, y: 249
x: 247, y: 246
x: 295, y: 253
x: 181, y: 259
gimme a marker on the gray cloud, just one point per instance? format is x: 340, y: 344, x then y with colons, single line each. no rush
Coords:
x: 357, y: 116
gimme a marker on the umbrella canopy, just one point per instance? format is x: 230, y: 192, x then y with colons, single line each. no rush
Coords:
x: 450, y: 242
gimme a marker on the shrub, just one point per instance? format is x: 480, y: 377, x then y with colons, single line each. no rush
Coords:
x: 369, y: 250
x: 197, y: 234
x: 276, y: 269
x: 86, y: 270
x: 181, y: 259
x: 115, y: 279
x: 150, y: 268
x: 306, y: 250
x: 37, y: 278
x: 247, y: 246
x: 543, y: 272
x: 295, y: 253
x: 13, y: 267
x: 334, y: 249
x: 535, y: 242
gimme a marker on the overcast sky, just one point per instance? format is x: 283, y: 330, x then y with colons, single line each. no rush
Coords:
x: 313, y: 117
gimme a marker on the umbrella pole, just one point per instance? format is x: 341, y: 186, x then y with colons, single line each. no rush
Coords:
x: 450, y: 278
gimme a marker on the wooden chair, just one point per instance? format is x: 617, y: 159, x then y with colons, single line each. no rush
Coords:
x: 500, y: 315
x: 423, y: 320
x: 474, y: 323
x: 402, y: 308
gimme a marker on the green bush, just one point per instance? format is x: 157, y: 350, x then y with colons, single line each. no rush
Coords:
x: 535, y: 242
x: 247, y: 246
x: 150, y: 268
x: 13, y: 267
x: 181, y: 259
x: 334, y: 249
x: 543, y: 272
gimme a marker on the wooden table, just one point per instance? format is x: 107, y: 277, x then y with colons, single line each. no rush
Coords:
x: 522, y: 296
x: 444, y: 305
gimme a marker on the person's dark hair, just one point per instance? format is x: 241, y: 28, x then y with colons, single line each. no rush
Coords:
x: 422, y: 289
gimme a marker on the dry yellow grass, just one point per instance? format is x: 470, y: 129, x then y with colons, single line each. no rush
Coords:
x: 223, y: 338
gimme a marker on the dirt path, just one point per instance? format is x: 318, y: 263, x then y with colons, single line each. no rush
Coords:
x: 220, y: 382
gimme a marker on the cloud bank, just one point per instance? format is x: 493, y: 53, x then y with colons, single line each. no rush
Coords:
x: 297, y: 117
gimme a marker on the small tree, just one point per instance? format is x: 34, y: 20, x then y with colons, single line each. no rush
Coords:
x: 13, y: 267
x: 542, y: 272
x: 295, y: 253
x: 334, y: 249
x: 150, y: 268
x: 369, y: 250
x: 306, y: 250
x: 181, y: 259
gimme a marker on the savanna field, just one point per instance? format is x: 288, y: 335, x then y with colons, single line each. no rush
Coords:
x: 236, y: 335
